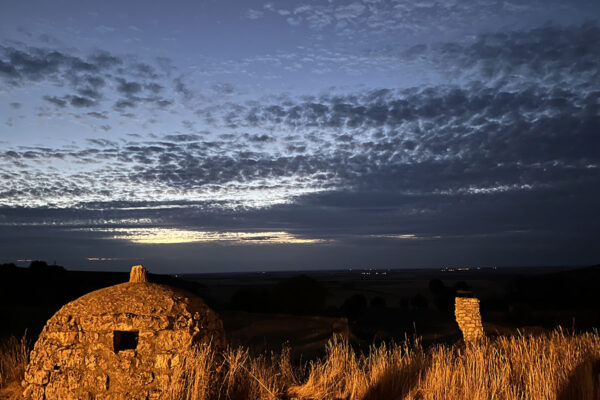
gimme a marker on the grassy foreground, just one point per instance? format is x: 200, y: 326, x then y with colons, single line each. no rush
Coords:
x: 556, y: 366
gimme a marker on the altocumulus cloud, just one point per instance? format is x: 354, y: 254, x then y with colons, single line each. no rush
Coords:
x: 91, y: 79
x: 364, y: 19
x: 496, y: 154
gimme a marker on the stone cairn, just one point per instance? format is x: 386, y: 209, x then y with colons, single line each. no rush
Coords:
x: 138, y: 274
x: 466, y: 311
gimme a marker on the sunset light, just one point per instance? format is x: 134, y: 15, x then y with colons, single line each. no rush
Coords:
x: 172, y: 236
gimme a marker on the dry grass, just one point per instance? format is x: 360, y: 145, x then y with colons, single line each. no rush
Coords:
x: 14, y: 356
x: 556, y: 366
x: 232, y: 374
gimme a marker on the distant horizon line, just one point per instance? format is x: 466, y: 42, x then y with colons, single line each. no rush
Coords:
x: 448, y: 268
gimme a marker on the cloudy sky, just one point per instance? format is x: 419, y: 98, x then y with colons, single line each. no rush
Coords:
x: 196, y: 136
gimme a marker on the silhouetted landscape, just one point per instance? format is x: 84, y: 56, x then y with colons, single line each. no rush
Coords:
x: 372, y: 304
x: 301, y: 312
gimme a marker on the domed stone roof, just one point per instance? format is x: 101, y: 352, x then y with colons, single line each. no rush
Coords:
x: 120, y: 341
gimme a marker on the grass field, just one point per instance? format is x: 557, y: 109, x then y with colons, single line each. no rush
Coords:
x: 555, y: 366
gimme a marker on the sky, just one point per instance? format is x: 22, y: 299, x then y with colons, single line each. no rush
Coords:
x: 217, y: 136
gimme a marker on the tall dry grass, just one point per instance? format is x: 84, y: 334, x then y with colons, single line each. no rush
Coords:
x: 556, y: 366
x: 14, y: 356
x: 231, y: 374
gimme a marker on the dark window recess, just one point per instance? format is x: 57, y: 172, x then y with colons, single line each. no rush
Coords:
x: 125, y: 340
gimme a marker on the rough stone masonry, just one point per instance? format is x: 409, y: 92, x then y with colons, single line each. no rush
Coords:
x: 120, y: 342
x: 466, y: 311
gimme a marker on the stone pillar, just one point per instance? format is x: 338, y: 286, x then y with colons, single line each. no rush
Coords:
x: 466, y: 311
x: 138, y: 274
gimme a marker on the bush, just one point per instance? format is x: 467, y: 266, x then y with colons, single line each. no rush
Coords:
x: 444, y: 301
x: 443, y: 297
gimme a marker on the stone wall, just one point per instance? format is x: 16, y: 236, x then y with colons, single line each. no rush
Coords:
x: 77, y: 360
x: 466, y: 311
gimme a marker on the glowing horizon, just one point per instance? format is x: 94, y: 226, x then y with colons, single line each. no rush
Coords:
x: 177, y: 236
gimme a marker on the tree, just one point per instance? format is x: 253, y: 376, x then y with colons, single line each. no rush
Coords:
x: 443, y: 297
x: 43, y: 267
x: 436, y: 286
x: 38, y: 265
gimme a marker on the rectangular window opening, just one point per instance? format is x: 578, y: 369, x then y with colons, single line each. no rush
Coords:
x: 124, y: 340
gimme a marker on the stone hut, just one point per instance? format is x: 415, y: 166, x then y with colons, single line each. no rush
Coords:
x: 468, y: 317
x: 120, y: 342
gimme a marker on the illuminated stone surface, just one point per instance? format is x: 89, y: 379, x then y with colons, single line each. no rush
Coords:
x: 138, y: 274
x: 120, y: 342
x: 466, y: 311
